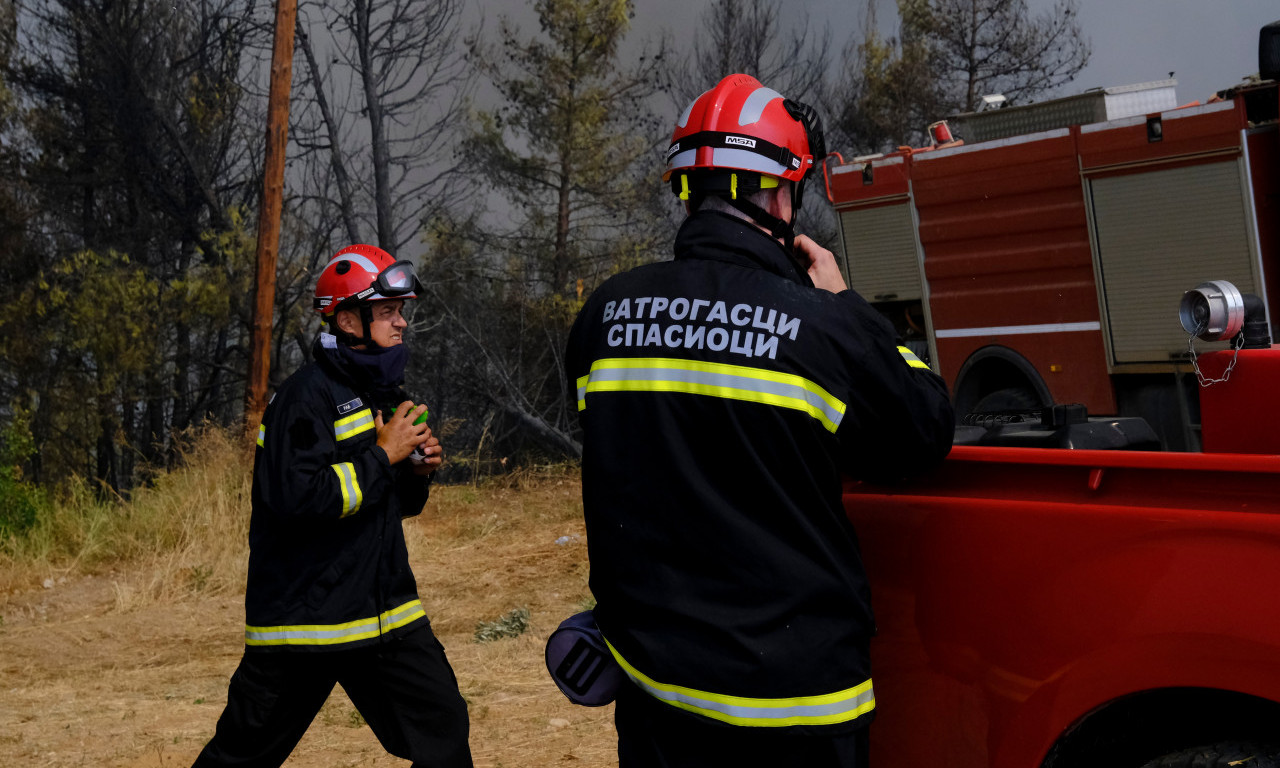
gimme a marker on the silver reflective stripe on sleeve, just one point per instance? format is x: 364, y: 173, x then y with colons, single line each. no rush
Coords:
x: 355, y: 424
x: 912, y: 359
x: 825, y: 709
x: 335, y: 634
x: 734, y: 382
x: 352, y: 497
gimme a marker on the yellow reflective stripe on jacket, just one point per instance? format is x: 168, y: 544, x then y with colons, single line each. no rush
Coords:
x: 352, y: 496
x: 735, y: 382
x: 912, y: 359
x: 350, y: 426
x: 262, y: 435
x: 335, y: 634
x: 825, y: 709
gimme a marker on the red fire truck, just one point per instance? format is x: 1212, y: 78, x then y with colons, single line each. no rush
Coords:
x: 1053, y: 608
x: 1069, y: 606
x: 1033, y: 261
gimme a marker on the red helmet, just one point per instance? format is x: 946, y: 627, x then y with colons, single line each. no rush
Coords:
x: 742, y: 125
x: 362, y: 273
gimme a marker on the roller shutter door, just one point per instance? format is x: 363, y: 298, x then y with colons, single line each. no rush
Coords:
x: 880, y: 250
x: 1160, y: 233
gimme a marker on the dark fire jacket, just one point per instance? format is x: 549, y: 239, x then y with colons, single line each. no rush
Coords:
x: 721, y: 399
x: 328, y: 567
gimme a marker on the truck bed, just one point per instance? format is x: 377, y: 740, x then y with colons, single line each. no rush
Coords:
x: 1021, y: 591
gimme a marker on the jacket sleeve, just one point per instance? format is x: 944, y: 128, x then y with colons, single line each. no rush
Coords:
x: 575, y: 362
x: 300, y: 472
x: 899, y: 420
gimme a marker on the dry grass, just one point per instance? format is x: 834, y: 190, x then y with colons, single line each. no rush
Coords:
x: 123, y: 659
x: 186, y: 531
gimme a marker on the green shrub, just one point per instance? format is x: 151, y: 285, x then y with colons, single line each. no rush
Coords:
x: 21, y: 502
x: 513, y: 623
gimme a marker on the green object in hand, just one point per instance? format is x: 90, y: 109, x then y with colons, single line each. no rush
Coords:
x: 421, y: 419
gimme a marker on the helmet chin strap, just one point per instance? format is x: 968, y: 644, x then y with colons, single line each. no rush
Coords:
x: 780, y: 229
x: 366, y: 321
x: 783, y: 230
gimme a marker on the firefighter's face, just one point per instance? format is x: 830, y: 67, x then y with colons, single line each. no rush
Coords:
x: 388, y: 324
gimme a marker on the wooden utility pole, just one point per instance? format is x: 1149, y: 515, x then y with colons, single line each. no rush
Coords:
x: 269, y: 216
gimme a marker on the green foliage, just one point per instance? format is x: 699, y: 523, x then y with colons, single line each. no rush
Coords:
x: 513, y: 623
x: 98, y: 303
x: 198, y: 577
x: 572, y: 144
x: 570, y: 154
x: 21, y: 502
x: 131, y: 251
x: 208, y: 292
x: 895, y: 97
x: 946, y: 56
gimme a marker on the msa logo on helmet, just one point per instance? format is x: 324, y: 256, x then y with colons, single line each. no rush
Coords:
x: 740, y: 141
x: 674, y: 149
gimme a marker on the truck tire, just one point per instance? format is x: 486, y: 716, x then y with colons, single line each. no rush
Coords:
x: 1007, y: 399
x: 1243, y: 755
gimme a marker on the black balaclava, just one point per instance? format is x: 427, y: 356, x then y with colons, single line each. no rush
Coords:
x: 377, y: 369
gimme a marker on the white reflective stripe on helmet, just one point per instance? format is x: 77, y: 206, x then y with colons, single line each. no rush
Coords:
x: 753, y: 107
x: 730, y: 158
x: 684, y: 116
x: 683, y: 159
x: 746, y: 160
x: 355, y: 258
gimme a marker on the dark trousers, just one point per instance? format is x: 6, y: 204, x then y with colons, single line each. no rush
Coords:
x: 404, y: 688
x: 652, y: 734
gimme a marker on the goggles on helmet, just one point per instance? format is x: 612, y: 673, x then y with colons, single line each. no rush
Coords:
x: 346, y: 281
x: 395, y: 281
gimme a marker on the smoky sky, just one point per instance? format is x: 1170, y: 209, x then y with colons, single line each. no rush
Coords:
x: 1209, y: 45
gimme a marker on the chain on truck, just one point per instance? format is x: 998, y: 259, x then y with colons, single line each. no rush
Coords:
x: 1098, y: 273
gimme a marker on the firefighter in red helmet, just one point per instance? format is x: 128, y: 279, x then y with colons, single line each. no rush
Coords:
x: 356, y: 279
x: 740, y: 138
x: 750, y: 382
x: 343, y: 455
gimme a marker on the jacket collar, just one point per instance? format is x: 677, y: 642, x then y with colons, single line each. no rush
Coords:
x: 378, y: 373
x: 717, y: 236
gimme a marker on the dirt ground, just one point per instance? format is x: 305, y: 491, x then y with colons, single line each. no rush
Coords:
x: 92, y: 676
